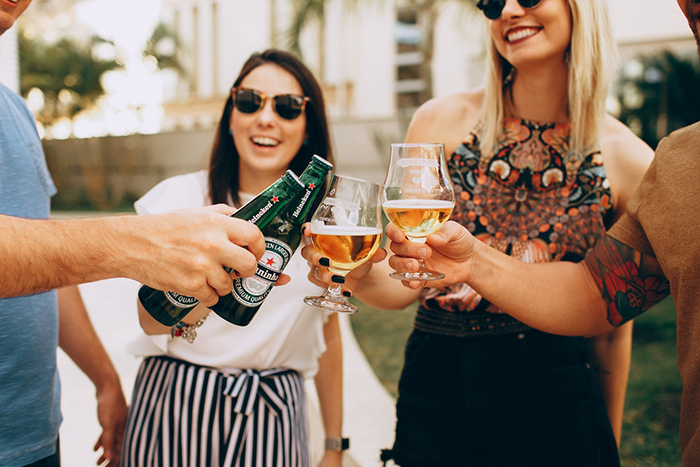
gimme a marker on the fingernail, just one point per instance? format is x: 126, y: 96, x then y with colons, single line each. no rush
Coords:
x: 423, y: 252
x: 325, y: 262
x: 338, y: 279
x: 303, y: 230
x: 347, y: 293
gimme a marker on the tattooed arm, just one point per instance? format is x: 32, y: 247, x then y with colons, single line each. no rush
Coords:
x: 629, y: 281
x: 613, y: 285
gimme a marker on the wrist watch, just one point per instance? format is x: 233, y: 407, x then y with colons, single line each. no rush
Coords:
x: 337, y: 444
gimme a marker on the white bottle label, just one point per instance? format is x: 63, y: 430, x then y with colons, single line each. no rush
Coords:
x: 251, y: 291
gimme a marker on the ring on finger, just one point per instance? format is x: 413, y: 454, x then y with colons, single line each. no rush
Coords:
x: 316, y: 269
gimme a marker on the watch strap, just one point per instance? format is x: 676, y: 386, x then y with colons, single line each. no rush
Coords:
x: 337, y: 444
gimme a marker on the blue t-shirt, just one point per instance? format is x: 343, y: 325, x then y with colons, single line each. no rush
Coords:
x: 29, y: 387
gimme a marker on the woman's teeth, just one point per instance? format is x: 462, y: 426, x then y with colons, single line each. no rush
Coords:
x: 265, y: 141
x: 521, y: 34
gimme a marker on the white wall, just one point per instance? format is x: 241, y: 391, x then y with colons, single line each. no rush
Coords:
x: 647, y: 21
x: 458, y: 61
x: 358, y: 45
x: 371, y: 65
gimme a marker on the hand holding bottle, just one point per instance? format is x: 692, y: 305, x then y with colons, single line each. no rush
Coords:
x: 187, y: 249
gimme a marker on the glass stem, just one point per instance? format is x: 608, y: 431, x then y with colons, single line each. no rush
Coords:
x: 334, y: 293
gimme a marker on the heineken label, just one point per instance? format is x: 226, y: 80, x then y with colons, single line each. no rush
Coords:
x: 303, y: 201
x: 264, y: 209
x: 181, y: 301
x: 251, y: 291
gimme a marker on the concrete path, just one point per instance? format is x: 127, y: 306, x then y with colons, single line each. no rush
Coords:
x: 369, y: 410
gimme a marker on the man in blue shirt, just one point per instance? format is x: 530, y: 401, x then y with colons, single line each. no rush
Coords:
x: 185, y: 252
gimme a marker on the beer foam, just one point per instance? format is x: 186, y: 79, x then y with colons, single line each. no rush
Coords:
x: 418, y: 204
x: 343, y: 230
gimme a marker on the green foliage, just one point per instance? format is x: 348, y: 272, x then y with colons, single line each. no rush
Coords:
x: 163, y: 47
x: 659, y: 94
x: 382, y: 335
x: 304, y: 12
x: 63, y: 65
x: 652, y: 406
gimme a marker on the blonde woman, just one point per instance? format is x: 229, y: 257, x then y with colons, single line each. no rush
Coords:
x: 540, y: 172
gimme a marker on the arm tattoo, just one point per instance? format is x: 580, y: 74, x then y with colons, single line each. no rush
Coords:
x: 629, y: 281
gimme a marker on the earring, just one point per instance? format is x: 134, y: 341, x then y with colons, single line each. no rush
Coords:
x: 230, y: 131
x: 306, y: 142
x: 508, y: 80
x: 567, y: 56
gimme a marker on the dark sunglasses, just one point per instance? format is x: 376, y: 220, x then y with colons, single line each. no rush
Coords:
x: 493, y: 8
x: 287, y: 106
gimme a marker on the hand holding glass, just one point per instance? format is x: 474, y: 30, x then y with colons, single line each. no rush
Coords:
x: 418, y: 196
x: 347, y: 229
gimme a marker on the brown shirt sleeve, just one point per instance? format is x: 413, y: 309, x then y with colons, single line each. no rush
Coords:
x: 628, y: 228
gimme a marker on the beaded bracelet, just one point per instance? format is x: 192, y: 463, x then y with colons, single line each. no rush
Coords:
x: 186, y: 331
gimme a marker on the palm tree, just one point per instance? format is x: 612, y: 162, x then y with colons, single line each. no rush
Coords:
x: 163, y: 46
x: 67, y: 73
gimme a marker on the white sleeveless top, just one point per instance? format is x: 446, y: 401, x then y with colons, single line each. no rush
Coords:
x: 284, y: 333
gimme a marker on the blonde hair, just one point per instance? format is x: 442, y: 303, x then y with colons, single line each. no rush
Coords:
x: 592, y: 60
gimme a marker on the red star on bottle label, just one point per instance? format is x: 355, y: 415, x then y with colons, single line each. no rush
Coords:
x: 275, y: 199
x: 270, y: 261
x: 312, y: 186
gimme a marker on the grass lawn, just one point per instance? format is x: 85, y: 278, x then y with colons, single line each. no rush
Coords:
x: 650, y: 431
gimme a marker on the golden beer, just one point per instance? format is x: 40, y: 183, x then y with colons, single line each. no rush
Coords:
x: 347, y: 247
x: 418, y: 218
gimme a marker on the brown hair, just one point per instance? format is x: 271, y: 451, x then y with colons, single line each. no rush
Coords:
x: 223, y: 164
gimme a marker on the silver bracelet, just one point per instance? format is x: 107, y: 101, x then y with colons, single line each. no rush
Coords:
x: 186, y: 331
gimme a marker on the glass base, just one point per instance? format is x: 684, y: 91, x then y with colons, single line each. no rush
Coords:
x: 339, y: 306
x: 424, y: 275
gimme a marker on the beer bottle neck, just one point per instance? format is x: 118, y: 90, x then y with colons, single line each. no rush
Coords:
x: 264, y: 207
x: 312, y: 178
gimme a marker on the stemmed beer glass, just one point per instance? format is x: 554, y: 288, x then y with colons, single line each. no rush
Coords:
x: 418, y: 196
x: 347, y: 229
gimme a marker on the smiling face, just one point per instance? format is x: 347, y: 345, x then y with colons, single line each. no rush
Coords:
x: 691, y: 10
x: 527, y: 36
x: 10, y: 11
x: 266, y: 142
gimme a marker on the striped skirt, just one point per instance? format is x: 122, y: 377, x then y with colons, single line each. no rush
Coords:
x: 183, y: 414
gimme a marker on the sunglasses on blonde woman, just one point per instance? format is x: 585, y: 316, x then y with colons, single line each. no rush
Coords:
x: 493, y: 8
x: 287, y: 106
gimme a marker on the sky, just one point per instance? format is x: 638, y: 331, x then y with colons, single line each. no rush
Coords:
x: 134, y: 94
x: 127, y: 22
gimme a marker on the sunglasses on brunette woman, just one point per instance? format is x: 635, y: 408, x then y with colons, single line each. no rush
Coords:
x: 493, y: 8
x: 287, y: 106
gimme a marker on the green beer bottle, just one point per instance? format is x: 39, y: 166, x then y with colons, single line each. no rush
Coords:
x: 170, y: 307
x: 282, y: 237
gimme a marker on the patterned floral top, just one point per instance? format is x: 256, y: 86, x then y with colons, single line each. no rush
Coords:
x: 535, y: 200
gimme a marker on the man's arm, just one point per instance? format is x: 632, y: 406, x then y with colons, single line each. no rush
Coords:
x: 78, y: 339
x: 612, y: 286
x: 630, y: 282
x: 183, y: 251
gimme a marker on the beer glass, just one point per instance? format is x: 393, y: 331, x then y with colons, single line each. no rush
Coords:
x: 347, y: 229
x: 418, y: 196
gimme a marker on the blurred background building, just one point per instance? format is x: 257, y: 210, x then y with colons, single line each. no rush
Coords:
x: 164, y: 69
